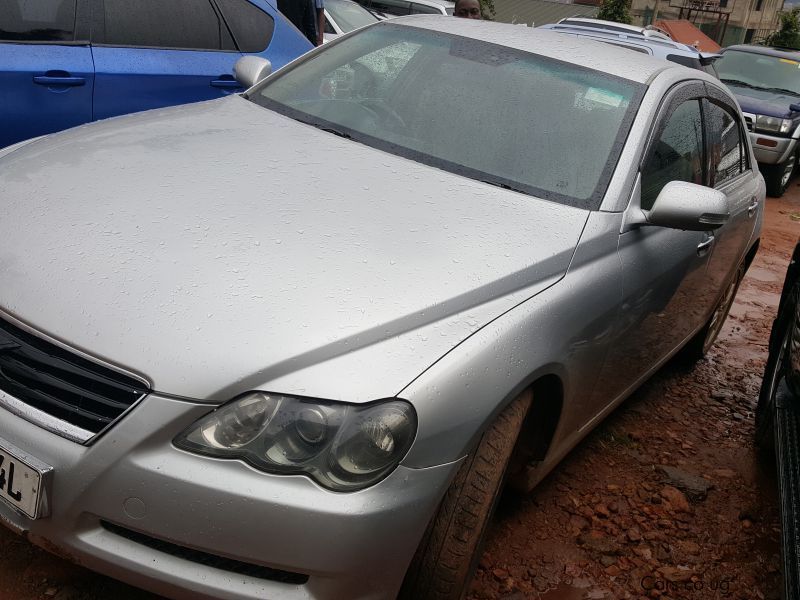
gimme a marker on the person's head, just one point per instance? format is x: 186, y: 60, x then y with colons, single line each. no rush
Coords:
x: 468, y: 9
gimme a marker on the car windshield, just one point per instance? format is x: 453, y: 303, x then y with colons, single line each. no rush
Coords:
x: 748, y: 69
x: 349, y: 15
x: 510, y: 118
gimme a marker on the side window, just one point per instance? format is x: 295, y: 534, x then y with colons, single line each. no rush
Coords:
x: 183, y: 24
x: 40, y: 21
x: 252, y: 28
x: 725, y: 144
x: 328, y: 27
x: 677, y: 154
x: 392, y: 7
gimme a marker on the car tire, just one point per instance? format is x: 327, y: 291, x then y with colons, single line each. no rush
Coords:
x: 780, y: 348
x: 777, y: 177
x: 704, y: 339
x: 451, y: 547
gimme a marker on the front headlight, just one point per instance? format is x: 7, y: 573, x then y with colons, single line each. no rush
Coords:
x: 772, y: 124
x: 343, y: 447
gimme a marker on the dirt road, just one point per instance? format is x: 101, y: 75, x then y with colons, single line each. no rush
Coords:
x: 665, y: 499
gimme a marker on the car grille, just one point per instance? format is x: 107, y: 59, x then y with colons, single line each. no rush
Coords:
x: 206, y: 559
x: 749, y: 121
x: 69, y: 394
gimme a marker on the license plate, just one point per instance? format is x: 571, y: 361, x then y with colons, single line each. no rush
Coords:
x: 22, y: 483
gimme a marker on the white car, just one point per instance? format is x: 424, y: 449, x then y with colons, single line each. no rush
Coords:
x: 344, y: 16
x: 399, y: 8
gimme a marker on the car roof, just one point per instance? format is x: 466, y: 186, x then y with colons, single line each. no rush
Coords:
x: 767, y: 50
x: 592, y: 54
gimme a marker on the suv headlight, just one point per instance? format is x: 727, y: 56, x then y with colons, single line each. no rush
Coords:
x: 343, y: 447
x: 773, y: 124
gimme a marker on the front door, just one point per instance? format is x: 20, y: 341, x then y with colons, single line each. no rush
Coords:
x: 666, y: 295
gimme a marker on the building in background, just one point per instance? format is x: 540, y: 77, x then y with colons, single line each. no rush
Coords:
x: 686, y: 32
x: 724, y: 21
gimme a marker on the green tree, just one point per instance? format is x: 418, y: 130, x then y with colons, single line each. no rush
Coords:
x: 487, y: 8
x: 788, y: 36
x: 615, y: 10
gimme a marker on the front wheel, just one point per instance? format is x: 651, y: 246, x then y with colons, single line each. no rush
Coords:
x: 777, y: 177
x: 449, y: 551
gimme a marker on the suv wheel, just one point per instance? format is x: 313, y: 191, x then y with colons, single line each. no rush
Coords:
x: 777, y: 177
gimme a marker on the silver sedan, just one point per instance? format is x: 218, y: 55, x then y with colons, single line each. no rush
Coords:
x: 291, y: 344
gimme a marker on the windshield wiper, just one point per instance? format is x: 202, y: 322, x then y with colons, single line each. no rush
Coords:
x: 505, y: 186
x: 742, y: 84
x: 783, y: 91
x: 346, y: 136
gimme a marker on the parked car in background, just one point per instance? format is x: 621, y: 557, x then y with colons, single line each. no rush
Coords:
x: 68, y: 62
x: 647, y: 40
x: 766, y: 82
x: 222, y: 376
x: 398, y: 8
x: 344, y: 16
x: 778, y: 419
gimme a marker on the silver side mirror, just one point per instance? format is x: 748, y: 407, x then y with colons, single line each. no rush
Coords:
x: 249, y: 70
x: 688, y: 206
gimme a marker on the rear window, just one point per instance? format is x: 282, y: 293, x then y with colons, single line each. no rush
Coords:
x: 39, y: 21
x: 392, y: 7
x: 423, y: 9
x: 252, y: 28
x: 426, y: 95
x: 179, y: 24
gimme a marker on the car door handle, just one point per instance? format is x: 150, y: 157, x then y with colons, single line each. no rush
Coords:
x: 704, y: 246
x: 751, y: 210
x: 59, y: 80
x: 226, y: 83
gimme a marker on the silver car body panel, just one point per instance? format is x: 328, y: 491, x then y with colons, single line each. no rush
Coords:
x: 187, y: 274
x: 148, y: 244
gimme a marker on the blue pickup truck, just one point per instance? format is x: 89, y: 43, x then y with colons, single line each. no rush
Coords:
x: 766, y: 82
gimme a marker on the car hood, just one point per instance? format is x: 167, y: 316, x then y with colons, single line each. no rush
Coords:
x: 220, y: 247
x: 764, y: 102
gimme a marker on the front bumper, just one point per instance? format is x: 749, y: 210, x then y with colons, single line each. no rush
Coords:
x: 771, y: 150
x: 354, y: 545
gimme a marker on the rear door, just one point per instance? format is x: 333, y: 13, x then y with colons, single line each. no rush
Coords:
x: 154, y: 53
x: 46, y: 70
x: 731, y: 173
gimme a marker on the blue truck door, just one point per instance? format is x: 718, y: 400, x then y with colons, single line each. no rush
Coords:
x: 46, y: 70
x: 151, y: 53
